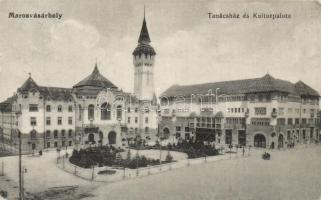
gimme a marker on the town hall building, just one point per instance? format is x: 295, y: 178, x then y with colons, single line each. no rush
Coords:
x: 93, y: 112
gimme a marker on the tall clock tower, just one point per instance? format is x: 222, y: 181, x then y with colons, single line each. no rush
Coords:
x: 143, y: 59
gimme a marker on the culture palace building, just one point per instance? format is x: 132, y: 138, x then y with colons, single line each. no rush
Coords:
x: 93, y: 112
x: 261, y: 112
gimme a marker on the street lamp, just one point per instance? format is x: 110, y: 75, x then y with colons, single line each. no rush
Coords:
x: 216, y: 92
x: 159, y: 138
x: 18, y: 113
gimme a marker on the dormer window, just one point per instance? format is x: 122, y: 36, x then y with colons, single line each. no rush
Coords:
x: 48, y: 108
x: 60, y: 108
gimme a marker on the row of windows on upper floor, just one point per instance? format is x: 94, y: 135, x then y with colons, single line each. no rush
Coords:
x: 211, y: 98
x: 33, y: 134
x: 34, y: 108
x: 281, y: 111
x: 283, y: 121
x: 135, y: 130
x: 136, y: 120
x: 296, y: 121
x: 33, y: 121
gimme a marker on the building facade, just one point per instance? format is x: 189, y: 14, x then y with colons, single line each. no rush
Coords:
x: 261, y: 112
x: 92, y: 112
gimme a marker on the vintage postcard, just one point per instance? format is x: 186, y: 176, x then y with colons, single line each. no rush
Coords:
x: 160, y: 99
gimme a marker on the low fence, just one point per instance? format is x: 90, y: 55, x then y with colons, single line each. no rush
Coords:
x: 91, y: 174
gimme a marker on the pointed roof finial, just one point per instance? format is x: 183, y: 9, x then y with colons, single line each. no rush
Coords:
x: 29, y: 74
x: 144, y: 11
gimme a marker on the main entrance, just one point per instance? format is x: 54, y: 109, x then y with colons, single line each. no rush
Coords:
x: 112, y: 137
x: 259, y: 141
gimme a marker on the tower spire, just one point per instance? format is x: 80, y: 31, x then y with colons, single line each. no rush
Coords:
x: 144, y: 35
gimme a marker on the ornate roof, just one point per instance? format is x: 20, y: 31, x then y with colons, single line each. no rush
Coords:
x: 95, y: 79
x: 144, y: 36
x: 143, y: 42
x: 49, y: 93
x: 305, y: 90
x: 55, y: 93
x: 266, y: 83
x: 28, y: 85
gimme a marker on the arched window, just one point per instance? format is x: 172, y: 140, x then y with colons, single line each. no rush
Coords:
x: 48, y: 108
x: 69, y: 108
x: 48, y: 134
x: 119, y: 112
x: 146, y: 129
x: 63, y: 133
x: 105, y: 113
x: 80, y: 112
x: 60, y: 108
x: 91, y: 112
x: 70, y: 133
x: 55, y: 134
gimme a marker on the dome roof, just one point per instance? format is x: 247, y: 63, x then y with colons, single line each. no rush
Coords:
x: 143, y: 46
x: 95, y: 79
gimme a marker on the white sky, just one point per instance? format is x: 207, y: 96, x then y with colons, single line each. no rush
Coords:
x: 191, y: 48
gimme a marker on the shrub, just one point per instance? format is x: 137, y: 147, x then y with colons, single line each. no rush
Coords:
x: 3, y: 193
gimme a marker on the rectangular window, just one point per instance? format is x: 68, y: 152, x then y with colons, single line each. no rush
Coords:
x: 128, y: 120
x: 69, y: 108
x: 290, y: 121
x: 146, y: 120
x: 186, y: 129
x: 304, y: 121
x: 70, y: 120
x: 178, y: 128
x: 281, y: 121
x: 59, y: 122
x: 70, y: 143
x: 281, y: 111
x: 136, y: 120
x: 48, y: 144
x: 56, y: 144
x: 260, y: 111
x: 33, y: 121
x: 297, y: 121
x: 33, y: 107
x: 48, y: 121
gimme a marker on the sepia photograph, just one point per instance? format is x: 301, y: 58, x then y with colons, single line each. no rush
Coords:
x: 160, y: 99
